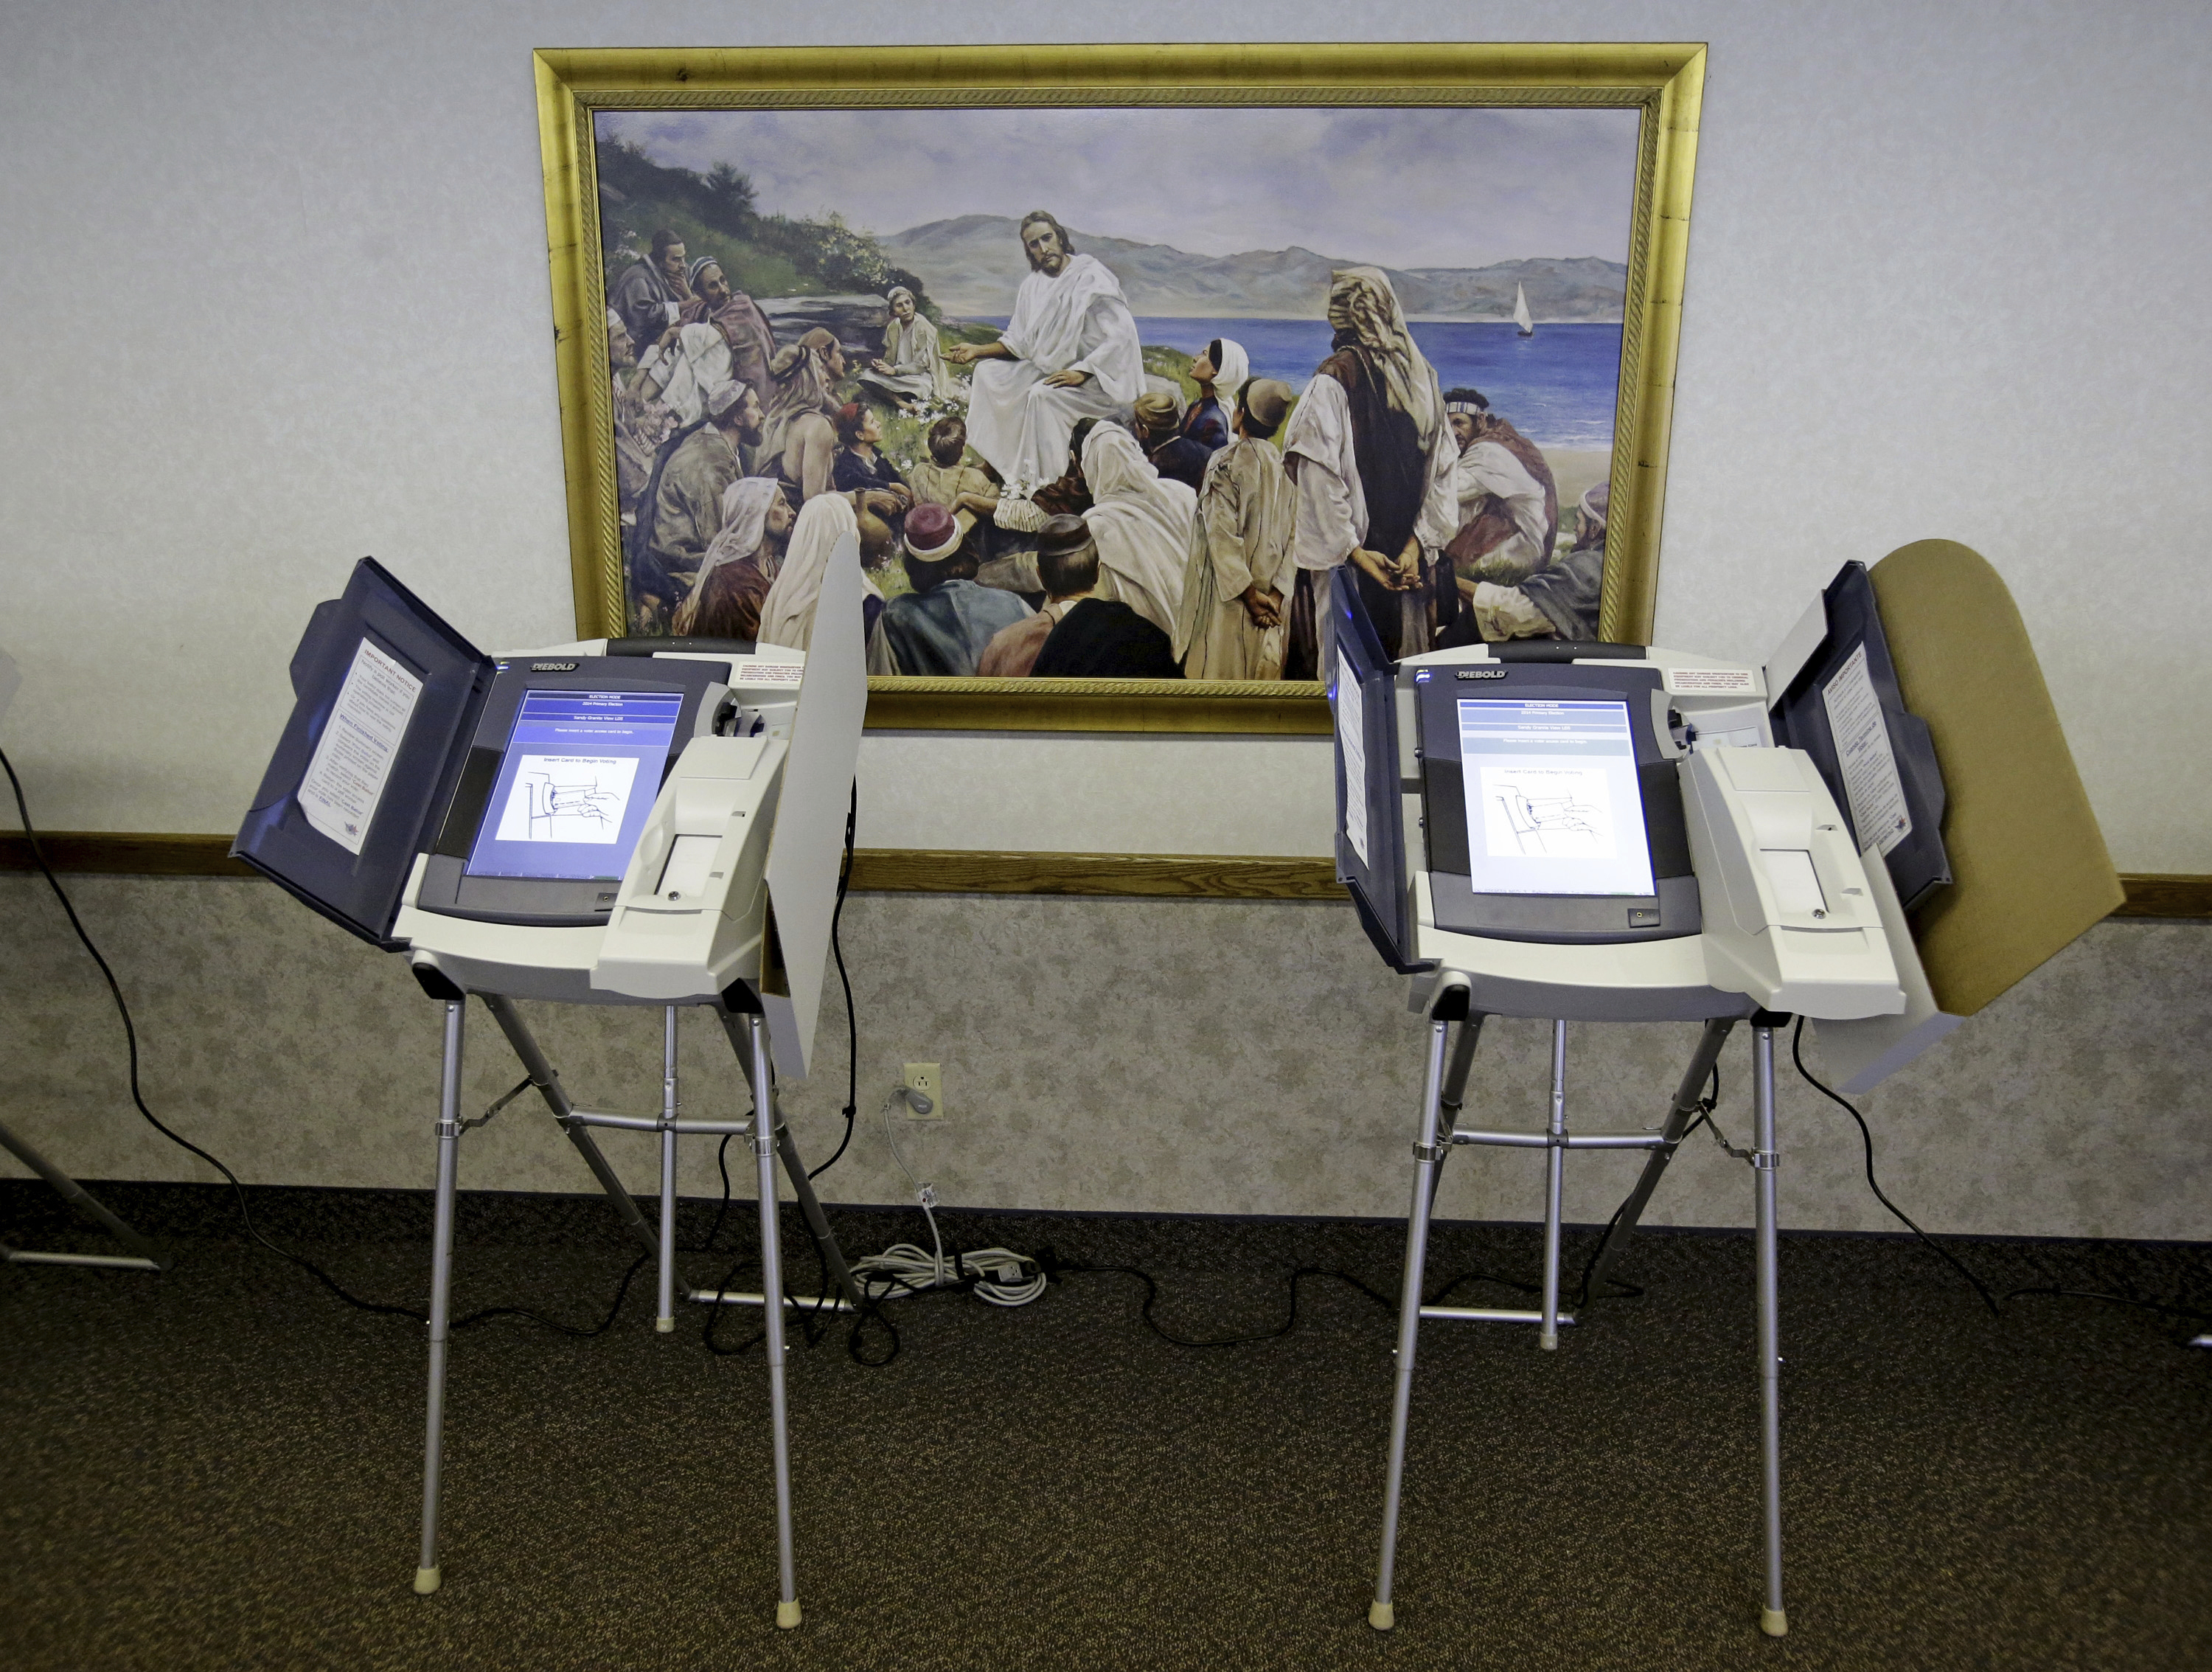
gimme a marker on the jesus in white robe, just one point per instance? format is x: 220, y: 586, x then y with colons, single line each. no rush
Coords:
x: 1069, y: 352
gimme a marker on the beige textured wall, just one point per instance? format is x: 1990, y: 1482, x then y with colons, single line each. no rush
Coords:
x: 1164, y: 1056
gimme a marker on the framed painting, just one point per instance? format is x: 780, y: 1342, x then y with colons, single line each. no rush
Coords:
x: 1108, y: 355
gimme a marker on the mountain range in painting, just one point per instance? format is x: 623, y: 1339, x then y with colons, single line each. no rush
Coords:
x: 973, y: 263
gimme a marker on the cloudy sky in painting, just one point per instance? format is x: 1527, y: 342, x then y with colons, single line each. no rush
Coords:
x: 1404, y: 188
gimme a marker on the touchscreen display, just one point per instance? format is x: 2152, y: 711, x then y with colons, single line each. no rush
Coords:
x: 1552, y: 802
x: 578, y: 779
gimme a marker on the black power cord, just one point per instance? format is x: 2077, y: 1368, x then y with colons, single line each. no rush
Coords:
x: 245, y: 1211
x: 1055, y: 1269
x: 852, y: 1022
x: 722, y: 1165
x: 1866, y: 1138
x: 1995, y: 1304
x: 714, y: 1317
x: 1620, y: 1290
x: 581, y: 1333
x: 1704, y: 1107
x: 811, y: 1327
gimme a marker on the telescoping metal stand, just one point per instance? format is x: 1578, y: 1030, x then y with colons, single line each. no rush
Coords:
x: 769, y: 1138
x: 1437, y: 1130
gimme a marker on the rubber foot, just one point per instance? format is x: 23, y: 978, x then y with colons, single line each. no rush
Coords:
x: 1382, y: 1616
x: 1549, y: 1343
x: 1774, y: 1622
x: 787, y: 1614
x: 666, y: 1326
x: 426, y: 1581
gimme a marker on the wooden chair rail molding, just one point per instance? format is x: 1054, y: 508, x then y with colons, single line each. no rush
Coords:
x: 948, y: 871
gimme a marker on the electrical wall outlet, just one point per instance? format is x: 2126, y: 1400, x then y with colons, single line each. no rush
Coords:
x: 924, y: 1078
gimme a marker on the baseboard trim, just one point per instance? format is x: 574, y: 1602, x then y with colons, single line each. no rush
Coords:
x: 1160, y: 876
x: 2172, y: 895
x: 125, y: 854
x: 953, y: 871
x: 197, y: 1211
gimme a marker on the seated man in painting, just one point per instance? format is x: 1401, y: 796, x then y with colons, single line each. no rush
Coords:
x: 642, y: 423
x: 1142, y: 522
x: 799, y: 442
x: 650, y: 294
x: 1069, y: 352
x: 1557, y: 602
x: 697, y: 352
x: 911, y: 369
x: 1173, y: 453
x: 1066, y: 562
x: 1092, y: 637
x: 942, y: 627
x: 681, y: 510
x: 740, y: 566
x: 744, y: 328
x: 1509, y: 506
x: 1220, y: 372
x: 859, y: 466
x: 946, y: 478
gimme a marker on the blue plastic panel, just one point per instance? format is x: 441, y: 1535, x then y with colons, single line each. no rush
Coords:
x: 352, y: 872
x: 1367, y: 792
x: 1919, y: 863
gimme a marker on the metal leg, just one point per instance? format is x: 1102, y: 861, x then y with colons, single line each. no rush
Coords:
x: 540, y: 1070
x: 1455, y: 1073
x: 1454, y: 1092
x: 1555, y: 1159
x: 441, y: 1278
x: 143, y: 1256
x: 1426, y: 1154
x: 738, y: 1027
x: 665, y: 1321
x: 764, y: 1126
x: 1679, y: 1115
x: 1772, y: 1619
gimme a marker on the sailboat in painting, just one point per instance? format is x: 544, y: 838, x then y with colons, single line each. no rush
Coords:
x: 1520, y: 312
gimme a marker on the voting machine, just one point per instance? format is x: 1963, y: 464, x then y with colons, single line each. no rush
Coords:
x: 647, y: 821
x: 1608, y: 832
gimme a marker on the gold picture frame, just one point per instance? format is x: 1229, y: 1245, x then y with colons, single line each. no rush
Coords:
x: 1662, y: 81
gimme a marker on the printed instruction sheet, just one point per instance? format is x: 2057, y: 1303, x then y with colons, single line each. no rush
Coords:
x: 1862, y: 752
x: 353, y: 758
x: 1352, y: 740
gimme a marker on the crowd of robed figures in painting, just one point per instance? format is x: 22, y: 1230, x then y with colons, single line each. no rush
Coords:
x: 1075, y: 517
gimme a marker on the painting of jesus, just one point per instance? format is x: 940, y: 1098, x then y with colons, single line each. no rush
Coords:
x: 1112, y: 391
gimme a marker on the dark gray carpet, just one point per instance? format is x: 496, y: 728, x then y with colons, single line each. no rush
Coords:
x: 220, y: 1467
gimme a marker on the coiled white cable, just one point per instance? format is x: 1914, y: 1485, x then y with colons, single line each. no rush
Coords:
x: 999, y: 1276
x: 996, y: 1273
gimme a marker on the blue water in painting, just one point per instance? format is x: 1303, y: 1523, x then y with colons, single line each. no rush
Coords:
x: 1556, y: 386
